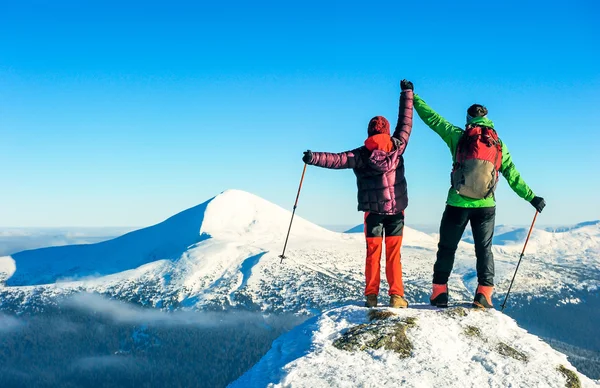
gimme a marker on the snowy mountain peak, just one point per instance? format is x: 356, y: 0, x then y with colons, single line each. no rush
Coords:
x: 419, y: 346
x: 233, y: 215
x: 236, y: 214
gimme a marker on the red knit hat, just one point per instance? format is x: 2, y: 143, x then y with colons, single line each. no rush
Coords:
x: 378, y: 125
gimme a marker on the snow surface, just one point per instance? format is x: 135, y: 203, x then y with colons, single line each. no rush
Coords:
x: 225, y: 253
x: 232, y: 216
x: 443, y: 354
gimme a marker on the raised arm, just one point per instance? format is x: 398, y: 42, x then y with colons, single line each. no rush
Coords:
x: 348, y: 159
x: 405, y: 115
x: 451, y: 134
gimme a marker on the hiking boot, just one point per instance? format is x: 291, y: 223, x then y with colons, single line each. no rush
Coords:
x: 371, y: 300
x: 398, y: 302
x: 439, y: 295
x: 483, y: 297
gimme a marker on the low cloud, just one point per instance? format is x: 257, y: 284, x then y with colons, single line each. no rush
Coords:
x: 9, y: 323
x: 7, y: 268
x: 103, y: 362
x: 122, y: 312
x: 94, y: 341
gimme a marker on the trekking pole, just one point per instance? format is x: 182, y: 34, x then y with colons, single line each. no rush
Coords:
x: 519, y: 263
x: 293, y: 212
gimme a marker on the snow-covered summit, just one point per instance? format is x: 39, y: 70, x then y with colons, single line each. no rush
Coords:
x: 232, y: 215
x: 415, y: 347
x: 236, y: 214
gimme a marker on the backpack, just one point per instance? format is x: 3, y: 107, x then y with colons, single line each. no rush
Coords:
x: 478, y: 160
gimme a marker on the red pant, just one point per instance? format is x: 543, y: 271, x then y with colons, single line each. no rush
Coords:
x: 375, y: 227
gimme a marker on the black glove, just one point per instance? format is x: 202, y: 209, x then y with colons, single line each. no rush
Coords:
x: 538, y: 203
x: 307, y: 158
x: 406, y: 85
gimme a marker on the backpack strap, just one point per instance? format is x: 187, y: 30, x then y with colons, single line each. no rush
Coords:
x: 470, y: 135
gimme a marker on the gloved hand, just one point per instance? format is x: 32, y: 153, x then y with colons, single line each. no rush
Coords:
x: 406, y: 85
x: 538, y: 203
x: 307, y: 158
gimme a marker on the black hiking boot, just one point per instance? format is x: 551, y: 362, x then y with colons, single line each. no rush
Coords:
x: 371, y: 301
x: 483, y: 297
x: 439, y: 295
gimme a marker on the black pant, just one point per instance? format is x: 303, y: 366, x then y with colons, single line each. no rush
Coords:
x: 378, y: 225
x: 453, y: 225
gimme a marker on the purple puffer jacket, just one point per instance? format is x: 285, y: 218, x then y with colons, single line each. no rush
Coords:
x: 379, y: 174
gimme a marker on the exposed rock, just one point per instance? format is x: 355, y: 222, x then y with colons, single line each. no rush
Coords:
x: 375, y: 315
x: 572, y: 379
x: 455, y: 312
x: 472, y: 331
x: 509, y: 351
x: 384, y: 333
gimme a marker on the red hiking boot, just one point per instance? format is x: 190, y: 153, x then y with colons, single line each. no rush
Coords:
x: 483, y: 297
x: 439, y: 295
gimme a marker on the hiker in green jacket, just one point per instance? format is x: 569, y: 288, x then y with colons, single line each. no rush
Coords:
x: 478, y: 155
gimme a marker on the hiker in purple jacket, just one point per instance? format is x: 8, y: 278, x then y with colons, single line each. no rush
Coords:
x: 382, y: 194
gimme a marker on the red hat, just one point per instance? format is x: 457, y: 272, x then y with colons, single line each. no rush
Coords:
x: 378, y: 125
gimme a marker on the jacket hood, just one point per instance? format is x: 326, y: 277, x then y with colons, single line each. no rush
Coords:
x: 381, y: 142
x: 484, y: 121
x: 384, y: 153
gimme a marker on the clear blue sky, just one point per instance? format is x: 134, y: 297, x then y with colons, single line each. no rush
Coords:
x: 115, y: 114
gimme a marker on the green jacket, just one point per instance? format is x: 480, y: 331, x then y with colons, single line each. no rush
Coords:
x: 451, y: 134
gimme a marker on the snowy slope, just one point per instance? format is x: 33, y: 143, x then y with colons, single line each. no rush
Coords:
x: 581, y: 239
x: 231, y: 216
x: 567, y: 260
x: 441, y: 348
x: 224, y: 253
x: 202, y: 255
x: 167, y: 240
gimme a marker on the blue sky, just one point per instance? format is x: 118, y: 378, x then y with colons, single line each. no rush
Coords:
x: 115, y: 114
